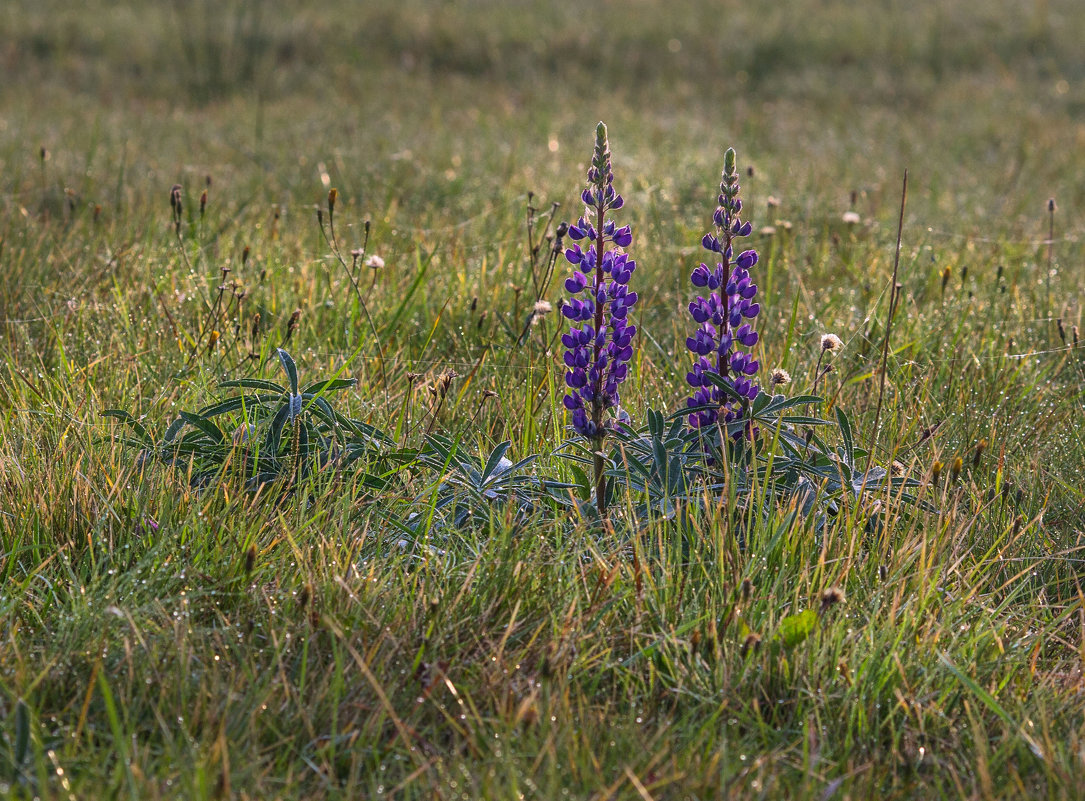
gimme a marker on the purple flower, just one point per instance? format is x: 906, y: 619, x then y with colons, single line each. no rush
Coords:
x: 597, y: 353
x: 725, y: 336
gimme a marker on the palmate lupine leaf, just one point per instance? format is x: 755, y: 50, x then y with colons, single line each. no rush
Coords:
x: 282, y: 434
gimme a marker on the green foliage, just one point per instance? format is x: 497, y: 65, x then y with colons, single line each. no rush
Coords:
x: 276, y: 434
x: 473, y: 490
x: 669, y: 468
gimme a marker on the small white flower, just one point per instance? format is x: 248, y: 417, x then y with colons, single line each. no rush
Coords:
x: 375, y: 262
x: 851, y: 218
x: 543, y: 307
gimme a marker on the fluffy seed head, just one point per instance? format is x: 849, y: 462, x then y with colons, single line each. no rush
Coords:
x: 779, y: 377
x: 831, y: 342
x: 830, y: 597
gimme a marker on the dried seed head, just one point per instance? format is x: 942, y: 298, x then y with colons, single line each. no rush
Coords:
x: 43, y: 154
x: 255, y: 326
x: 746, y: 589
x: 831, y: 342
x: 175, y: 204
x: 779, y: 377
x: 1062, y: 331
x: 851, y: 218
x: 1051, y: 205
x: 751, y: 643
x: 883, y: 572
x: 333, y: 195
x: 305, y: 594
x: 981, y: 446
x: 542, y: 307
x: 946, y: 272
x: 203, y: 202
x: 292, y: 323
x: 374, y: 262
x: 250, y: 559
x: 772, y: 202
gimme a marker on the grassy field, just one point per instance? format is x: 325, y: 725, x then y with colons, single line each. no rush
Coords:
x: 162, y: 637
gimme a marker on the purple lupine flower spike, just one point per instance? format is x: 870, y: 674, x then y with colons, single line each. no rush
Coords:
x: 599, y: 349
x: 725, y: 337
x: 598, y: 352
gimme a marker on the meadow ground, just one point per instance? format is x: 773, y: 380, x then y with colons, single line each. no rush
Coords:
x: 159, y: 640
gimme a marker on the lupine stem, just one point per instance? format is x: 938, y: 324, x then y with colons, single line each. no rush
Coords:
x: 597, y: 404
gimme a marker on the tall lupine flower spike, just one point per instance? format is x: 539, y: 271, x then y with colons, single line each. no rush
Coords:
x: 723, y: 342
x: 598, y: 346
